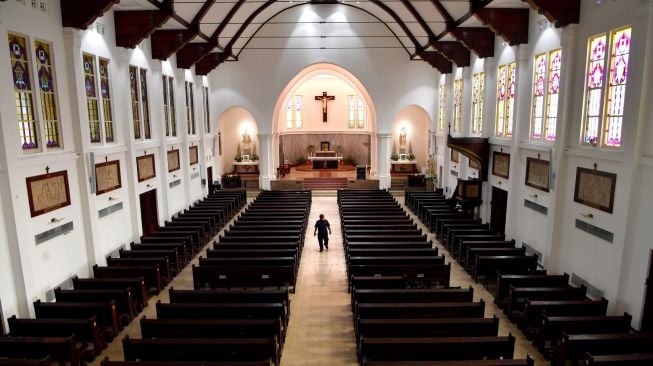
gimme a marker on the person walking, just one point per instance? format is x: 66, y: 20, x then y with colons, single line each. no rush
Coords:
x: 322, y: 230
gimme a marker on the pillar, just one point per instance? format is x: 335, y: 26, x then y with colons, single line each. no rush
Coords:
x: 383, y: 159
x: 266, y: 160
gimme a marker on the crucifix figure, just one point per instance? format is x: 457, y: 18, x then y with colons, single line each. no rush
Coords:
x: 324, y: 98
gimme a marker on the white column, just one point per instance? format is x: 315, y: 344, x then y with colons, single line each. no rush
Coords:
x: 521, y: 122
x: 564, y: 133
x: 383, y: 159
x: 466, y: 125
x: 266, y: 160
x: 489, y: 96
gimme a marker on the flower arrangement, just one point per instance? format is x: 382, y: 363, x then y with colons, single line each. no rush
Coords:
x: 411, y: 156
x: 394, y: 157
x: 254, y: 157
x: 238, y: 158
x: 431, y: 176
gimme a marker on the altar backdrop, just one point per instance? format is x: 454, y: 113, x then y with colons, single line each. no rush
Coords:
x: 296, y: 145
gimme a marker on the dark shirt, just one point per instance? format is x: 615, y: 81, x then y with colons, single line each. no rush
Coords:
x: 322, y: 227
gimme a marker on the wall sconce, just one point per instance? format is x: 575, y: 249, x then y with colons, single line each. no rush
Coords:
x: 148, y: 185
x: 588, y: 215
x: 113, y: 198
x: 533, y: 195
x: 499, y: 182
x: 54, y: 220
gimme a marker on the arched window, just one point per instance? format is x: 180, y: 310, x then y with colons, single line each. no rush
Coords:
x: 478, y: 88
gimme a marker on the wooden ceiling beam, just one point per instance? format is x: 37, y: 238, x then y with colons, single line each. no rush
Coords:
x: 560, y: 13
x: 479, y: 40
x: 166, y: 42
x: 81, y: 14
x: 436, y: 60
x: 188, y: 55
x: 209, y: 62
x: 132, y: 27
x: 510, y: 24
x: 454, y: 51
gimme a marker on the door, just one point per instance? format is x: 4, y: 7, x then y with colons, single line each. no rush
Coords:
x: 647, y: 313
x: 149, y: 212
x: 498, y: 214
x: 209, y: 177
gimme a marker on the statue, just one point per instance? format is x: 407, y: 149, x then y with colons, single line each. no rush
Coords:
x: 402, y: 141
x: 247, y: 143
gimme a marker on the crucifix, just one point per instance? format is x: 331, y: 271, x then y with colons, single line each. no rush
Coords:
x: 324, y: 98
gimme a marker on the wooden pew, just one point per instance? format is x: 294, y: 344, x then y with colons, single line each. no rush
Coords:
x: 411, y: 295
x: 553, y: 326
x: 389, y: 260
x: 392, y: 252
x: 633, y: 359
x: 122, y: 297
x: 150, y: 274
x: 174, y: 259
x: 230, y: 253
x: 222, y: 310
x: 465, y: 246
x: 244, y: 276
x: 201, y: 349
x: 412, y: 273
x: 443, y: 348
x: 504, y: 281
x: 487, y: 266
x: 376, y: 282
x: 106, y: 313
x: 45, y: 361
x: 247, y: 261
x: 420, y: 310
x: 211, y: 328
x: 574, y: 346
x: 517, y: 296
x: 529, y: 361
x: 534, y: 310
x: 472, y: 253
x: 85, y: 330
x: 390, y: 245
x: 183, y: 251
x: 137, y: 286
x: 224, y: 295
x: 106, y: 362
x: 418, y: 328
x: 59, y: 349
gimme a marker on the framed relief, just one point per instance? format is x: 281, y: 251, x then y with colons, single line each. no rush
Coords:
x: 145, y: 167
x: 595, y: 188
x: 193, y: 156
x: 501, y: 164
x: 107, y: 177
x: 537, y: 173
x: 47, y: 192
x: 455, y: 156
x: 173, y: 160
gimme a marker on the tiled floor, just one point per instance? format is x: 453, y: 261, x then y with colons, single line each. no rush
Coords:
x: 320, y: 331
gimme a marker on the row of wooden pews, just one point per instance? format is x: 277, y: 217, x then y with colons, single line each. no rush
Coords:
x: 238, y: 311
x: 404, y: 311
x: 84, y: 319
x: 564, y: 324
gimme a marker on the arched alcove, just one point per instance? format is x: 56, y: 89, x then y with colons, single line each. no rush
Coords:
x: 358, y: 141
x: 414, y: 122
x: 234, y: 125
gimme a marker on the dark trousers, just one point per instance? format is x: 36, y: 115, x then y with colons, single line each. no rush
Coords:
x: 323, y: 240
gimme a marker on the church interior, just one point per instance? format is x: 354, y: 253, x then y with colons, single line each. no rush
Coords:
x: 481, y: 165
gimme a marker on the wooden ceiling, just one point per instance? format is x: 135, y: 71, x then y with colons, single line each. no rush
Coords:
x: 206, y: 33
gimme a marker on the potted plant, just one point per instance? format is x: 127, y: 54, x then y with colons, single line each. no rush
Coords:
x: 238, y: 158
x: 311, y: 149
x: 349, y: 160
x: 394, y: 157
x: 411, y: 156
x: 338, y: 149
x: 301, y: 160
x: 431, y: 180
x: 254, y: 157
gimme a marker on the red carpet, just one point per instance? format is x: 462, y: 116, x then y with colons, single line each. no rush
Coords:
x: 325, y: 184
x: 309, y: 168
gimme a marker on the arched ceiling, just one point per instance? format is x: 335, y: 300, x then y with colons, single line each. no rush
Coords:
x: 205, y: 33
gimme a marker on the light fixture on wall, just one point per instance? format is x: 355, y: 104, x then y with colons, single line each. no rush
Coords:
x: 588, y: 215
x: 55, y: 220
x: 543, y: 24
x: 113, y: 198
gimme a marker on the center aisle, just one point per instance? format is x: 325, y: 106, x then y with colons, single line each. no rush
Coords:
x: 321, y: 331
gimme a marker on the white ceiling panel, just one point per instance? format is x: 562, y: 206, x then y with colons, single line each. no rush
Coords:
x: 134, y: 5
x: 173, y: 24
x: 208, y: 29
x: 456, y: 8
x: 216, y: 14
x: 188, y: 9
x: 509, y: 4
x: 472, y: 22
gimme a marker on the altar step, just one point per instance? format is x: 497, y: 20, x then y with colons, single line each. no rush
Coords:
x: 397, y: 183
x: 325, y: 184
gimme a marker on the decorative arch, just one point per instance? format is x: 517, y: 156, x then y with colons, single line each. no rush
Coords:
x: 232, y: 124
x: 336, y: 70
x: 416, y: 121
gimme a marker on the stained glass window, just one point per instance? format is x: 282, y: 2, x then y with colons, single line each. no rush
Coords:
x: 502, y: 94
x: 458, y: 104
x: 619, y: 56
x: 207, y: 115
x: 361, y: 113
x: 91, y: 97
x: 555, y: 65
x: 510, y: 108
x: 144, y: 104
x: 443, y: 97
x: 190, y: 109
x: 539, y: 93
x: 478, y: 87
x: 606, y: 91
x: 290, y: 113
x: 168, y: 106
x: 105, y: 94
x: 47, y: 92
x: 23, y: 95
x: 136, y: 108
x: 298, y: 111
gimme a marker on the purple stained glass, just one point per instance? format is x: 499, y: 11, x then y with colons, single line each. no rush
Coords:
x: 539, y: 86
x: 555, y: 83
x: 21, y: 76
x: 620, y: 70
x: 45, y: 79
x: 104, y: 88
x: 42, y: 55
x: 502, y: 83
x: 89, y: 85
x: 513, y: 70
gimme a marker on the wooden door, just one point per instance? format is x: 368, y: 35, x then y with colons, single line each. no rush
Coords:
x: 498, y: 214
x: 149, y: 212
x: 647, y: 313
x: 209, y: 177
